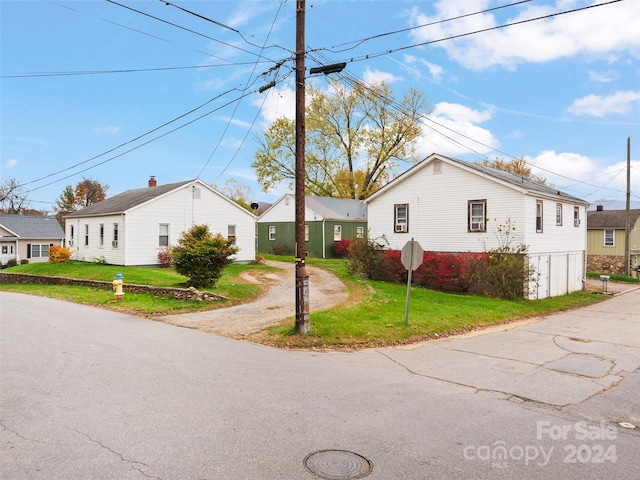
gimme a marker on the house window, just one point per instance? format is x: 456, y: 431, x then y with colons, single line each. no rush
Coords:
x: 359, y: 232
x: 71, y: 235
x: 306, y: 232
x: 163, y: 234
x: 272, y: 232
x: 102, y: 234
x: 477, y: 215
x: 559, y: 214
x: 401, y: 217
x: 37, y: 251
x: 539, y: 211
x: 114, y: 242
x: 5, y: 250
x: 86, y: 235
x: 576, y: 216
x: 609, y: 237
x: 231, y: 234
x: 337, y: 233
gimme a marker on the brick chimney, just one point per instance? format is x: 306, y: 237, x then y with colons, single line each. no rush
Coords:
x: 599, y: 208
x: 152, y: 181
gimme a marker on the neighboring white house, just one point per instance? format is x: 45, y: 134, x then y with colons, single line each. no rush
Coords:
x: 131, y: 228
x: 28, y: 237
x: 448, y: 205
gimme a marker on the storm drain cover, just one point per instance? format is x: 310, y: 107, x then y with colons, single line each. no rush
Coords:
x: 337, y: 465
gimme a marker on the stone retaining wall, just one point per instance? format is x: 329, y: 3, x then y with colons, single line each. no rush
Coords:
x: 177, y: 293
x: 612, y: 264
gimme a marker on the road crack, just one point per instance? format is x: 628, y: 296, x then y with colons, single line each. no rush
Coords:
x: 133, y: 463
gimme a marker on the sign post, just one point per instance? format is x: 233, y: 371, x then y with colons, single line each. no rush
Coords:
x: 411, y: 257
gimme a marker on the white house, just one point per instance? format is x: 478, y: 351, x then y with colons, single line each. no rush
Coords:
x: 448, y: 205
x: 131, y: 228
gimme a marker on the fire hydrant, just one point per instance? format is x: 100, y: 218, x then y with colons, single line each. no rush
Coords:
x: 117, y: 286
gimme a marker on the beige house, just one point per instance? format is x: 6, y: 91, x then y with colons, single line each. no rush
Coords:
x: 605, y: 240
x: 28, y: 237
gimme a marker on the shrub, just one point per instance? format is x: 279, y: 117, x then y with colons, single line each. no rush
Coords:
x: 366, y: 259
x: 341, y: 248
x: 59, y: 254
x: 12, y: 262
x: 202, y: 256
x: 24, y: 261
x: 279, y: 248
x: 165, y: 257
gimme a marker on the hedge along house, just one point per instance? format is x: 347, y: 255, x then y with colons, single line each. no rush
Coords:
x: 327, y: 220
x: 452, y: 206
x: 606, y: 240
x: 28, y: 237
x: 133, y: 227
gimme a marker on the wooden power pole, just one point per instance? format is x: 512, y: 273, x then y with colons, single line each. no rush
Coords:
x: 627, y: 226
x: 302, y: 277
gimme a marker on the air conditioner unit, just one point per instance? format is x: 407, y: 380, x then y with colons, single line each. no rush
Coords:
x: 401, y: 227
x: 114, y: 244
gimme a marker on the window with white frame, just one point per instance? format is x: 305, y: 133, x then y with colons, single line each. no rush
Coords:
x: 359, y: 232
x: 86, y: 235
x: 337, y: 233
x: 559, y: 214
x: 163, y: 235
x: 306, y: 232
x: 272, y: 232
x: 477, y: 215
x: 539, y: 215
x: 114, y: 242
x: 401, y: 218
x: 37, y: 250
x: 102, y: 234
x: 231, y: 234
x: 576, y: 216
x: 609, y: 237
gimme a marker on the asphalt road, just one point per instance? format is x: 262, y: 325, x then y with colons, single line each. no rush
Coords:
x: 92, y: 394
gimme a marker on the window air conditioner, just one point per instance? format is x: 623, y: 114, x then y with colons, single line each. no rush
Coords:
x: 114, y: 244
x: 401, y: 227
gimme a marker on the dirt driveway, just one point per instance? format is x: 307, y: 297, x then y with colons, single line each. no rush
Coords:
x: 276, y: 304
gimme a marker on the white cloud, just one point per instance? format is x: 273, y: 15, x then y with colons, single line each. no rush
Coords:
x: 413, y: 64
x: 603, y: 77
x: 450, y: 128
x: 107, y: 129
x: 570, y: 165
x: 595, y: 32
x: 280, y: 102
x: 10, y: 163
x: 597, y: 106
x: 371, y: 77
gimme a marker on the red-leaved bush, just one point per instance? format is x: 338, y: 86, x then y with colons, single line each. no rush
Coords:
x: 341, y: 248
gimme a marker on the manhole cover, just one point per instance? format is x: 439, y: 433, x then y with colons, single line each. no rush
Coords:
x: 337, y: 465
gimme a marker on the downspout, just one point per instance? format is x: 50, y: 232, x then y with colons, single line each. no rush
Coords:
x: 324, y: 243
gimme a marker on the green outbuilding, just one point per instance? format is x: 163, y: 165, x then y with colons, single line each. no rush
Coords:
x: 327, y: 221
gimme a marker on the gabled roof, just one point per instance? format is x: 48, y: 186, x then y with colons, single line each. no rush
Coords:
x: 337, y: 208
x: 32, y: 226
x: 611, y: 219
x: 515, y: 181
x: 126, y: 200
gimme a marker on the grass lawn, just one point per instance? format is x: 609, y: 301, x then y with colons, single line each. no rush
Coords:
x: 374, y: 315
x: 230, y: 285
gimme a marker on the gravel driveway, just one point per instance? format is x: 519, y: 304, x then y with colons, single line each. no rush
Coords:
x: 275, y: 305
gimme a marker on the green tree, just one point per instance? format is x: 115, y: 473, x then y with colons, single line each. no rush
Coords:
x: 202, y: 256
x: 239, y: 193
x: 64, y: 204
x: 355, y: 139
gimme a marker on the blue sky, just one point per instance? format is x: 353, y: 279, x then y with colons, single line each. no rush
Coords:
x: 85, y: 84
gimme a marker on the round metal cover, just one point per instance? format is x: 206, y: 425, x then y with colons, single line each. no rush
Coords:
x: 337, y: 465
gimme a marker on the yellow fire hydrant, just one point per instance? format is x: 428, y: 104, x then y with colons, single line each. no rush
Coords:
x: 117, y: 286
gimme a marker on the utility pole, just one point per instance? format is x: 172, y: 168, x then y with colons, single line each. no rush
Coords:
x: 302, y: 277
x: 627, y: 225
